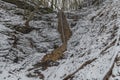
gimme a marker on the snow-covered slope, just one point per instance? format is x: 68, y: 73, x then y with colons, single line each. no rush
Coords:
x: 93, y: 51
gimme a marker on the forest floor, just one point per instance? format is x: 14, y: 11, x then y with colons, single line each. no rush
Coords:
x: 92, y: 51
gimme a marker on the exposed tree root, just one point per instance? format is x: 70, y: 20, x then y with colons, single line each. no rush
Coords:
x: 70, y: 76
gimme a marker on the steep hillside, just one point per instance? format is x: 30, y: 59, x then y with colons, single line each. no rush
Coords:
x: 93, y: 50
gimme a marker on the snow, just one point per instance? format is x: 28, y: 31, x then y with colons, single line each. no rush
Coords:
x: 90, y: 39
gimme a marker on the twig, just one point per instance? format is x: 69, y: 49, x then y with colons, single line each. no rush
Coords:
x: 108, y: 74
x: 81, y: 67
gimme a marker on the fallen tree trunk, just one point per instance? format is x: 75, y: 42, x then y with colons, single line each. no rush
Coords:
x: 58, y: 53
x: 63, y: 27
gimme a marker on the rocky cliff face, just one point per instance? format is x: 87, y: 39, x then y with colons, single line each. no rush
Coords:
x: 93, y: 51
